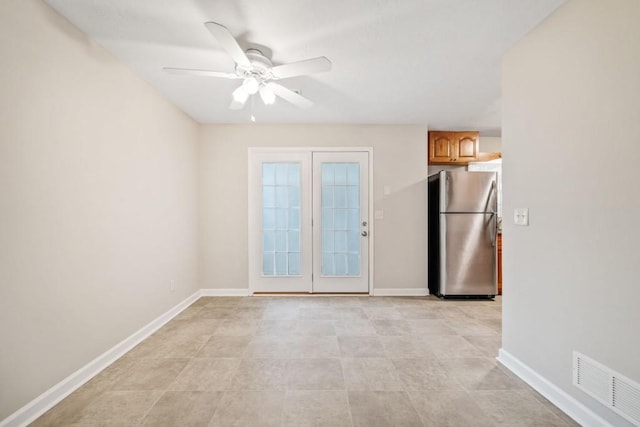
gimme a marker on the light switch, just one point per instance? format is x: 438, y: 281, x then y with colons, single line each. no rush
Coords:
x: 378, y: 214
x: 521, y: 216
x: 386, y: 190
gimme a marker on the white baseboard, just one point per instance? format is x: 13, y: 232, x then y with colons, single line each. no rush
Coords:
x: 41, y: 404
x: 224, y: 292
x: 391, y: 292
x: 570, y: 406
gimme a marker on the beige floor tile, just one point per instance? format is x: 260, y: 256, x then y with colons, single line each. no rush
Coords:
x: 390, y: 327
x: 314, y: 374
x: 448, y: 346
x: 117, y: 408
x: 346, y: 301
x: 355, y: 327
x: 280, y: 312
x: 295, y: 346
x: 249, y: 408
x: 517, y: 408
x: 360, y: 347
x: 222, y: 301
x: 169, y: 346
x: 318, y: 313
x: 487, y: 345
x: 382, y: 408
x: 248, y: 313
x: 449, y: 408
x: 196, y: 326
x: 372, y: 374
x: 430, y: 327
x: 215, y: 312
x: 269, y: 346
x: 237, y: 327
x: 304, y: 408
x: 472, y: 328
x: 424, y: 374
x: 257, y: 301
x: 225, y: 346
x: 202, y: 301
x: 350, y: 313
x: 313, y: 347
x: 69, y: 411
x: 383, y: 313
x: 313, y: 303
x: 206, y: 374
x: 277, y: 327
x: 288, y: 360
x: 150, y: 374
x: 398, y: 347
x: 418, y: 312
x: 183, y: 408
x: 480, y: 373
x: 261, y: 374
x: 189, y: 313
x: 550, y: 406
x: 312, y: 328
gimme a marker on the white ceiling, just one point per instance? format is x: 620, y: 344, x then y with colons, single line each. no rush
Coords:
x: 434, y: 62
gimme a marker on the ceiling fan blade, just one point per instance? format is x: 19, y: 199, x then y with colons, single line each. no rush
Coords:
x: 308, y: 66
x: 224, y: 37
x: 289, y: 95
x: 204, y: 73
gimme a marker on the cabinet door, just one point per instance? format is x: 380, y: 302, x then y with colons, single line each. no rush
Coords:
x: 441, y: 147
x: 466, y: 147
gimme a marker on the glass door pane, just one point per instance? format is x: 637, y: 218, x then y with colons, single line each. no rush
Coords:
x: 340, y: 219
x: 281, y: 219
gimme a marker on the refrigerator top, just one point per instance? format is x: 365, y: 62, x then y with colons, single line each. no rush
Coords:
x: 468, y: 192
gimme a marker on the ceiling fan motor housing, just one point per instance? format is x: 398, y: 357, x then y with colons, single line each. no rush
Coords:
x: 260, y: 67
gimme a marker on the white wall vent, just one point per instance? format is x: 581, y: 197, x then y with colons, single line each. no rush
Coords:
x: 614, y: 390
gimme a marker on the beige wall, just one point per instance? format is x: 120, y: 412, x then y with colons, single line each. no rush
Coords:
x: 571, y: 154
x: 490, y: 144
x: 98, y: 202
x: 399, y: 162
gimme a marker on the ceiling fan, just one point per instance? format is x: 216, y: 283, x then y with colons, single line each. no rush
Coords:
x: 256, y: 71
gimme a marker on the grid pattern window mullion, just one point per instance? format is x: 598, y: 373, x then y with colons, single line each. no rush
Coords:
x: 340, y: 203
x: 281, y: 219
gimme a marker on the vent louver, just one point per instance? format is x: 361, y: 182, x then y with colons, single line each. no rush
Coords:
x: 614, y: 390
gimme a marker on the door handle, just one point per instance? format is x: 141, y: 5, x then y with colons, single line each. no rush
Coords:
x: 364, y: 234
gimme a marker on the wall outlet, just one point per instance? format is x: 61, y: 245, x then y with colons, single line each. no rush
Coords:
x: 521, y: 216
x: 379, y: 215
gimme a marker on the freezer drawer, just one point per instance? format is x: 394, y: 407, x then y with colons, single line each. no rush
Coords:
x: 468, y: 254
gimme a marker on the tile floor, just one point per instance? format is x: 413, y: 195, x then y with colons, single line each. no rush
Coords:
x: 314, y: 361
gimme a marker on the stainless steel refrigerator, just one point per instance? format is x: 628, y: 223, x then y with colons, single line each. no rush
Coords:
x: 462, y: 227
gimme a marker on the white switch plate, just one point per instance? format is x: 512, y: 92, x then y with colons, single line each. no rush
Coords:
x: 378, y: 215
x: 521, y: 216
x: 386, y: 190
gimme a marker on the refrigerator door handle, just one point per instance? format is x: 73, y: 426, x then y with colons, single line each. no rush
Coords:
x: 494, y: 233
x: 491, y: 191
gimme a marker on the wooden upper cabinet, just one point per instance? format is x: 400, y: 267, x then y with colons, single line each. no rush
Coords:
x: 453, y: 148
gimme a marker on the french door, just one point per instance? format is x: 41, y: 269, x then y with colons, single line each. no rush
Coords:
x: 308, y: 221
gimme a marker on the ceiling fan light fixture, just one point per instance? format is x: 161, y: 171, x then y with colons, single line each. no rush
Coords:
x: 267, y: 95
x: 251, y: 85
x: 240, y: 94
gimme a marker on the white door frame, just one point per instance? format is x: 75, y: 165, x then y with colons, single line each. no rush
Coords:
x: 253, y: 211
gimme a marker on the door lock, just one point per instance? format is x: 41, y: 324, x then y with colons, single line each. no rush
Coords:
x: 364, y: 234
x: 364, y: 223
